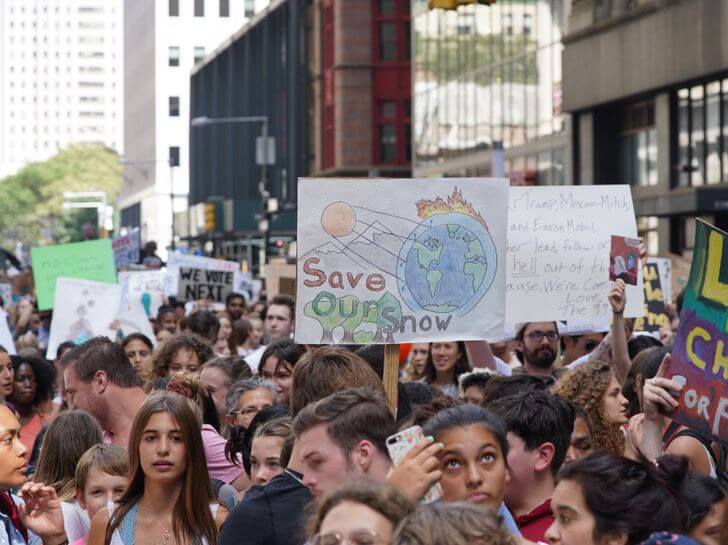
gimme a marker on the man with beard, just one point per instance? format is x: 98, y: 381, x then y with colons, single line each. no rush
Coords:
x: 538, y: 348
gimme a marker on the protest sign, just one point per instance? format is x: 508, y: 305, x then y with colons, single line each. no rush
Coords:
x: 582, y: 327
x: 126, y: 248
x: 132, y: 318
x: 664, y: 268
x: 655, y: 316
x: 558, y: 251
x: 195, y: 284
x: 624, y: 259
x: 89, y: 260
x: 83, y: 309
x: 387, y: 261
x: 700, y: 355
x: 248, y: 286
x: 6, y: 292
x: 6, y: 337
x: 177, y: 260
x: 149, y: 288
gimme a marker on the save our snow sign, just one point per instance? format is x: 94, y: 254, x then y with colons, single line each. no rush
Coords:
x: 388, y: 261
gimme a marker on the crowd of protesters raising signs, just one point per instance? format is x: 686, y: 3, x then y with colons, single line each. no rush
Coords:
x: 223, y: 430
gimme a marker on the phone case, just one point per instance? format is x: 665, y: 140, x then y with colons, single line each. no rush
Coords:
x: 400, y: 444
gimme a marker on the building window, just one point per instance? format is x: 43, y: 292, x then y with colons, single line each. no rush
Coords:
x: 388, y: 41
x: 173, y: 106
x: 174, y: 156
x: 249, y: 8
x: 701, y: 138
x: 224, y: 8
x: 174, y: 8
x: 647, y: 228
x: 199, y: 53
x: 199, y: 8
x: 388, y: 142
x: 387, y: 7
x: 174, y: 56
x: 638, y: 145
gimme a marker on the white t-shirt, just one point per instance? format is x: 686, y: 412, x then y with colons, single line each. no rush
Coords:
x: 253, y: 359
x: 75, y: 521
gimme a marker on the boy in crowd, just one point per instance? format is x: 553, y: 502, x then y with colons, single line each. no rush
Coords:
x: 101, y: 477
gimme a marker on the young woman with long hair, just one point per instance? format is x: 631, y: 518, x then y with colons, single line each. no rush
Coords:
x: 168, y: 497
x: 225, y: 346
x: 445, y: 363
x: 66, y: 439
x: 594, y: 387
x: 277, y: 364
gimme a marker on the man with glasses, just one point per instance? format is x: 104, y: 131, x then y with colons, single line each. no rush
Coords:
x: 538, y: 347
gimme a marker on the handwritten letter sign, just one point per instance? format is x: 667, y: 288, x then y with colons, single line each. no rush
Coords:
x: 558, y: 251
x: 700, y: 355
x: 400, y: 260
x: 90, y: 260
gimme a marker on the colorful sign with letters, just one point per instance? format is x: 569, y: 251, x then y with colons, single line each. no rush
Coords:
x: 388, y: 261
x: 700, y: 355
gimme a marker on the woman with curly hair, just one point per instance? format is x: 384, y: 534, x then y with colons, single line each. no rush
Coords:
x: 32, y: 392
x: 183, y: 353
x: 594, y: 387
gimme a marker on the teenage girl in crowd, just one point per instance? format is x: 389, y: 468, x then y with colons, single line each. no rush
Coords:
x: 168, y: 497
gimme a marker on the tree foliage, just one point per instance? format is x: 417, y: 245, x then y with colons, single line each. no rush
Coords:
x: 31, y: 201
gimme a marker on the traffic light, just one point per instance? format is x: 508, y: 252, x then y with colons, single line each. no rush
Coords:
x: 454, y: 4
x: 210, y: 220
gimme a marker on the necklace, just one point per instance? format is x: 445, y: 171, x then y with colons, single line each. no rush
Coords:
x: 165, y: 533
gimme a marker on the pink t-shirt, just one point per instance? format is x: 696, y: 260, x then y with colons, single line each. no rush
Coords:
x: 218, y: 465
x: 81, y: 541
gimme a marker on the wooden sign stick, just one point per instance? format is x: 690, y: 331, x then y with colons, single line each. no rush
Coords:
x: 391, y: 374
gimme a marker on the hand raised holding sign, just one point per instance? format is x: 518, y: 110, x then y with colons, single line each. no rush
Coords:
x: 618, y: 297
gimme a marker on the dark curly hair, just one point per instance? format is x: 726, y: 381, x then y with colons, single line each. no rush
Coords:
x: 166, y: 352
x: 45, y: 377
x: 585, y: 386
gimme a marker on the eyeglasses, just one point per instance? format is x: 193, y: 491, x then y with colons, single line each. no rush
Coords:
x: 537, y: 336
x: 357, y: 537
x: 248, y: 412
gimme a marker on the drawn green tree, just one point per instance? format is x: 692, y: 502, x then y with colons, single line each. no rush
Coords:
x: 363, y: 337
x: 372, y: 317
x: 329, y: 322
x: 389, y: 301
x: 353, y: 311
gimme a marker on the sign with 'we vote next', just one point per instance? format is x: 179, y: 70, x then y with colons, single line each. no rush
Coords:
x: 195, y: 284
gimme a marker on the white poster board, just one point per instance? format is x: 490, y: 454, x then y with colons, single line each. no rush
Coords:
x: 6, y: 337
x: 387, y: 261
x: 132, y: 318
x: 558, y: 252
x: 83, y: 309
x: 148, y: 288
x: 6, y: 292
x: 177, y: 260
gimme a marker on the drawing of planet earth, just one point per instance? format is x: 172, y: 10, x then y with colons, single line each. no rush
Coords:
x: 446, y: 265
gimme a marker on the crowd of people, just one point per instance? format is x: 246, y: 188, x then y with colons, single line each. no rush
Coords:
x: 225, y: 431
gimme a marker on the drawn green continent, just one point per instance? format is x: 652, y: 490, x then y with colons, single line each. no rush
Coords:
x: 433, y: 279
x: 475, y: 263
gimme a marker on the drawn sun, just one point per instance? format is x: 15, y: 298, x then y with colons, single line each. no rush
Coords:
x: 338, y: 219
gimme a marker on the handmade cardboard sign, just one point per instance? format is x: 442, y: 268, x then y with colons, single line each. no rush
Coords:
x: 700, y: 355
x: 656, y: 316
x: 387, y: 261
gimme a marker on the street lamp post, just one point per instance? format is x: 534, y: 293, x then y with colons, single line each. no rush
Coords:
x: 138, y: 163
x: 263, y: 158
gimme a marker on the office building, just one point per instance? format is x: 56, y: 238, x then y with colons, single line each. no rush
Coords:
x: 163, y: 40
x: 60, y: 78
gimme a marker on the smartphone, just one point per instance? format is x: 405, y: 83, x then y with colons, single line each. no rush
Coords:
x: 400, y: 444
